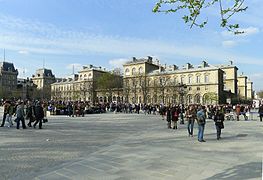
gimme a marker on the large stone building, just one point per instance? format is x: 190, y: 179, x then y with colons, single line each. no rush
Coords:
x: 147, y: 81
x: 8, y: 80
x: 84, y: 87
x: 43, y: 79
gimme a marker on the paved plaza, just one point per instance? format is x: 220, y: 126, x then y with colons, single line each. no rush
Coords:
x: 129, y: 146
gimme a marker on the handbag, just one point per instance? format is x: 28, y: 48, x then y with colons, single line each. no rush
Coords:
x: 45, y: 120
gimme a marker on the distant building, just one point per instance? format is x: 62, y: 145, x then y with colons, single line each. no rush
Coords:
x: 147, y: 81
x: 43, y: 79
x: 8, y: 80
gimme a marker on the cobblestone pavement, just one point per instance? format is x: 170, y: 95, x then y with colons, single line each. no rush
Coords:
x: 120, y: 146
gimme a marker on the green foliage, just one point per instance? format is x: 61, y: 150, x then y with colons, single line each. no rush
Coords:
x: 193, y: 10
x: 109, y: 81
x: 260, y: 94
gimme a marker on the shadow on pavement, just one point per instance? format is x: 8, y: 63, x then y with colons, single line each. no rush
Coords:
x: 241, y: 172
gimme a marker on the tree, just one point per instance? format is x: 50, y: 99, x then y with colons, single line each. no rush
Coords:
x: 108, y: 82
x: 193, y: 10
x: 260, y: 94
x: 162, y: 85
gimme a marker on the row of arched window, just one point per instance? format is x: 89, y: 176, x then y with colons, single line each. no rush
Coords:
x: 134, y: 71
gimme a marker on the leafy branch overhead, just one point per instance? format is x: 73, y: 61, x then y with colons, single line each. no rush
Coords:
x: 193, y: 8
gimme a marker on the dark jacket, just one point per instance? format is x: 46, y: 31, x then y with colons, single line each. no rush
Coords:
x: 219, y: 119
x: 39, y: 112
x: 168, y: 115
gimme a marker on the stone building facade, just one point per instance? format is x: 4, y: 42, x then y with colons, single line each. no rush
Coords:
x: 43, y: 78
x: 8, y: 80
x: 83, y: 87
x: 147, y: 81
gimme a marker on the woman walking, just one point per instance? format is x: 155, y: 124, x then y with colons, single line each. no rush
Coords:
x: 219, y: 121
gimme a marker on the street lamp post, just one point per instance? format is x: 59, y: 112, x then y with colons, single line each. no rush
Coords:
x: 182, y: 90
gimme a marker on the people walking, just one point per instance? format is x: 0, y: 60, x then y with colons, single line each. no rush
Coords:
x: 201, y: 123
x: 219, y: 121
x: 20, y: 113
x: 39, y: 113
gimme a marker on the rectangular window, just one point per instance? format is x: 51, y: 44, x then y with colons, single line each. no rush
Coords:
x: 206, y: 79
x: 190, y: 80
x: 182, y: 80
x: 197, y: 79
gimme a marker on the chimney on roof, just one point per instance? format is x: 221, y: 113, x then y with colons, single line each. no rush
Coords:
x: 90, y: 66
x: 150, y: 60
x: 204, y: 64
x: 231, y: 63
x: 134, y: 59
x: 174, y: 67
x: 188, y: 66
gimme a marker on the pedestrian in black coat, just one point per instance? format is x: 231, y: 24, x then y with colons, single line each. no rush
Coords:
x: 39, y: 114
x: 219, y: 121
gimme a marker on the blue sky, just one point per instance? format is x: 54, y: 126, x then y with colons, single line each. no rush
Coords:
x: 106, y: 33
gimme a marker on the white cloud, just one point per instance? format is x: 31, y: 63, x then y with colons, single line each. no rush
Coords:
x: 118, y: 62
x: 23, y: 52
x: 36, y: 37
x: 229, y: 44
x: 247, y: 32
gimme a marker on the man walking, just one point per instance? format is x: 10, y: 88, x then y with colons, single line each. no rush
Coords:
x: 260, y: 112
x: 20, y: 115
x: 6, y: 108
x: 201, y: 123
x: 39, y: 114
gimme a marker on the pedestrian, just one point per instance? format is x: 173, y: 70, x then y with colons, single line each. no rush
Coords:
x: 219, y: 121
x: 10, y: 114
x: 20, y: 113
x: 238, y: 110
x: 191, y: 115
x: 39, y: 113
x: 30, y: 113
x: 168, y: 117
x: 175, y: 116
x: 182, y: 111
x: 260, y: 112
x: 201, y: 123
x: 6, y: 107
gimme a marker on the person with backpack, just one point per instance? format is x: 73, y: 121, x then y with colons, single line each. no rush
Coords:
x: 201, y: 123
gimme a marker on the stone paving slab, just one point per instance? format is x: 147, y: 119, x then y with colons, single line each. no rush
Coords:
x: 120, y: 146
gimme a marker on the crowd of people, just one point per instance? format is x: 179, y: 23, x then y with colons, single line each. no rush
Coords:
x: 35, y: 113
